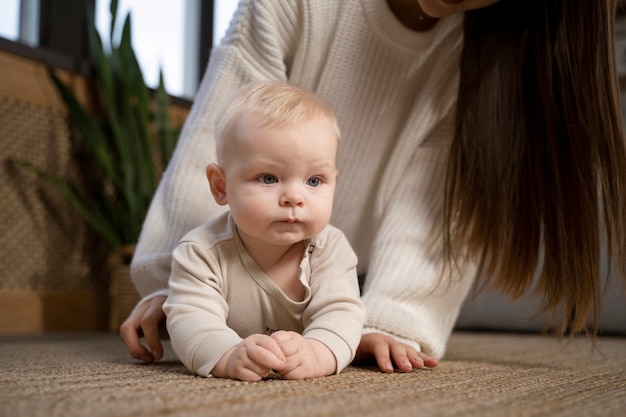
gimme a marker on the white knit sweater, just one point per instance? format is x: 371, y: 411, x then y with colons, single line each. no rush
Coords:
x: 394, y: 92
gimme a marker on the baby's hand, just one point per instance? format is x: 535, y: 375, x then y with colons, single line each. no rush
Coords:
x: 305, y: 358
x: 252, y: 359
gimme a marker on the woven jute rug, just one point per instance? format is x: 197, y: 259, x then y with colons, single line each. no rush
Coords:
x: 483, y: 374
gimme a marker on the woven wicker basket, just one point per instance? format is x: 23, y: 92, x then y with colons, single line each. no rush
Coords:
x: 123, y: 294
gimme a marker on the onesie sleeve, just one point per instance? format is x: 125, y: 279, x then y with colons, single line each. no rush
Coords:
x: 196, y: 309
x: 258, y: 45
x: 335, y: 314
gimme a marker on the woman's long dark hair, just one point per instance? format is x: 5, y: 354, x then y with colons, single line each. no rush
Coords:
x: 537, y: 172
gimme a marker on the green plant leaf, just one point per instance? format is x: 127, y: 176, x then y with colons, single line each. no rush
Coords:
x: 89, y: 128
x: 166, y: 136
x: 93, y: 218
x: 116, y: 135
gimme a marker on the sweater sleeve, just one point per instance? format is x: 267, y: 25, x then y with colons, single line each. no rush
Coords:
x: 255, y: 47
x: 404, y: 292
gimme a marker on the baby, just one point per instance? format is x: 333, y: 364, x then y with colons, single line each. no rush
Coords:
x: 268, y: 286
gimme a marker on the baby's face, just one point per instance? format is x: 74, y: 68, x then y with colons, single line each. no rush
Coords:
x: 280, y: 182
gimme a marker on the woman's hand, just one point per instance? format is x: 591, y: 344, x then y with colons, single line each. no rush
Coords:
x: 386, y: 351
x: 146, y: 320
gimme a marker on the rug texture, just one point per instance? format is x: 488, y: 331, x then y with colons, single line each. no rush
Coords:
x: 483, y: 374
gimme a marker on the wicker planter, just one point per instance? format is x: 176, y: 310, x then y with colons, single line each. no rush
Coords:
x: 123, y: 295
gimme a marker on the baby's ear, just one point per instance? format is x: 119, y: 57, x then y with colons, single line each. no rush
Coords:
x: 217, y: 181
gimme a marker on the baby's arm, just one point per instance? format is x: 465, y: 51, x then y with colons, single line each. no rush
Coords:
x: 251, y: 360
x: 305, y: 358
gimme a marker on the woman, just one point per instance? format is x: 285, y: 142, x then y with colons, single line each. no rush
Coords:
x: 476, y: 134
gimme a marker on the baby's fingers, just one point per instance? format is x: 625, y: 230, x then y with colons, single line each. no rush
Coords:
x: 250, y: 375
x: 289, y: 342
x: 281, y: 336
x: 267, y: 353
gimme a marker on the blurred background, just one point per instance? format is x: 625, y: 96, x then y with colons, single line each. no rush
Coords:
x: 175, y: 35
x: 56, y: 272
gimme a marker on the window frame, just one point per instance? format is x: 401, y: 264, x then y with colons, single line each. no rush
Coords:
x: 63, y: 42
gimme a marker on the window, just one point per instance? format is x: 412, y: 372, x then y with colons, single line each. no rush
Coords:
x: 174, y: 50
x: 224, y: 10
x: 10, y: 20
x: 19, y: 21
x: 165, y: 37
x: 175, y: 36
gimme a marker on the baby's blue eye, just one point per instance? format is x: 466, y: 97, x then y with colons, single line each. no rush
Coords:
x: 314, y: 182
x: 268, y: 179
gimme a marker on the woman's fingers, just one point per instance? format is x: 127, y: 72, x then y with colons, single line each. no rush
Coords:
x: 144, y: 321
x: 388, y: 351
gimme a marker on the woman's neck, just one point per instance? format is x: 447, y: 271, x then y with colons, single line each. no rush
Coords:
x: 411, y: 15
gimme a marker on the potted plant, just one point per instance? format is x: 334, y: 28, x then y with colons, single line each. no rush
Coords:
x: 124, y: 138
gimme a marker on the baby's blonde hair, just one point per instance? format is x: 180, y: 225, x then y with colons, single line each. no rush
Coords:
x: 277, y: 103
